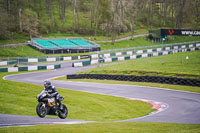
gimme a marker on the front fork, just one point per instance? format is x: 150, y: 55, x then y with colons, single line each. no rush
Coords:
x: 43, y: 105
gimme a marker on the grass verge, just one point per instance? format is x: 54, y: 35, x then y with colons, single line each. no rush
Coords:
x: 27, y: 51
x: 126, y: 127
x: 16, y: 38
x: 139, y: 41
x: 20, y: 99
x: 173, y: 65
x: 167, y: 86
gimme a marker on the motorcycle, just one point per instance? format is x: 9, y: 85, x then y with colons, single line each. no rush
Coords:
x: 47, y: 106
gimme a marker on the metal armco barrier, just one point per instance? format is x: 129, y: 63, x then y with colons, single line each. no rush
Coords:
x: 137, y: 54
x: 165, y: 47
x: 133, y: 78
x: 42, y: 59
x: 30, y: 68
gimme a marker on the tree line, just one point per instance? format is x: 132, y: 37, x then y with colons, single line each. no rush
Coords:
x: 107, y: 17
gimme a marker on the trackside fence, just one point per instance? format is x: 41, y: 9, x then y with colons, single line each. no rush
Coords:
x: 30, y: 68
x: 18, y: 60
x: 120, y: 56
x: 143, y: 47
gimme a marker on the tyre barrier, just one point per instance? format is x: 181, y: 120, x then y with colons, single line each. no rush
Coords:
x: 30, y: 68
x: 133, y: 78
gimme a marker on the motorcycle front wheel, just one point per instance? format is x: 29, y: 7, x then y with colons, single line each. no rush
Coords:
x: 64, y: 112
x: 41, y: 110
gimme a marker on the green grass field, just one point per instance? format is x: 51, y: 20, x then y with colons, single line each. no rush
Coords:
x: 175, y: 65
x: 16, y: 38
x: 139, y: 41
x: 20, y: 38
x: 126, y: 127
x: 19, y: 51
x: 26, y: 51
x: 20, y: 99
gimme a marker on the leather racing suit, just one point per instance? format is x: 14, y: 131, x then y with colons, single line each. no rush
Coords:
x: 53, y: 93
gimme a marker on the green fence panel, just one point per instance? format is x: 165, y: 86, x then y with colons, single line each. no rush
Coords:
x: 124, y: 53
x: 62, y: 59
x: 23, y: 60
x: 170, y: 52
x: 154, y: 50
x: 42, y: 59
x: 59, y: 59
x: 160, y: 53
x: 138, y: 56
x: 145, y: 51
x: 150, y: 55
x: 187, y: 46
x: 74, y: 57
x: 112, y: 54
x: 3, y: 69
x: 127, y: 58
x: 57, y: 66
x: 12, y: 62
x: 114, y: 59
x: 42, y: 67
x: 86, y: 63
x: 23, y: 68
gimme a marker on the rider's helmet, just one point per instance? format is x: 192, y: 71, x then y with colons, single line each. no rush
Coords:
x: 47, y: 83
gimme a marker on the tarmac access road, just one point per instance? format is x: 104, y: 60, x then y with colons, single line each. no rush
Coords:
x: 181, y: 107
x: 125, y: 38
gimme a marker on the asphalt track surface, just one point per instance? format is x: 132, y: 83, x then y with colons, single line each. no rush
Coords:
x: 181, y: 107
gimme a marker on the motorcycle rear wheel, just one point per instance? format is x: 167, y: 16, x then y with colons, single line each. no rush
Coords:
x: 64, y: 112
x: 41, y: 110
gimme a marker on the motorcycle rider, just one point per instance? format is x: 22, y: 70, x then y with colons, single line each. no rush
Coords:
x: 52, y: 92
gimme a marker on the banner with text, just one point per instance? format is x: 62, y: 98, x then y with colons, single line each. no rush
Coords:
x: 179, y: 32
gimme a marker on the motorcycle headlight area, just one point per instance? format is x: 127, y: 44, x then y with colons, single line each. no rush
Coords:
x: 51, y: 102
